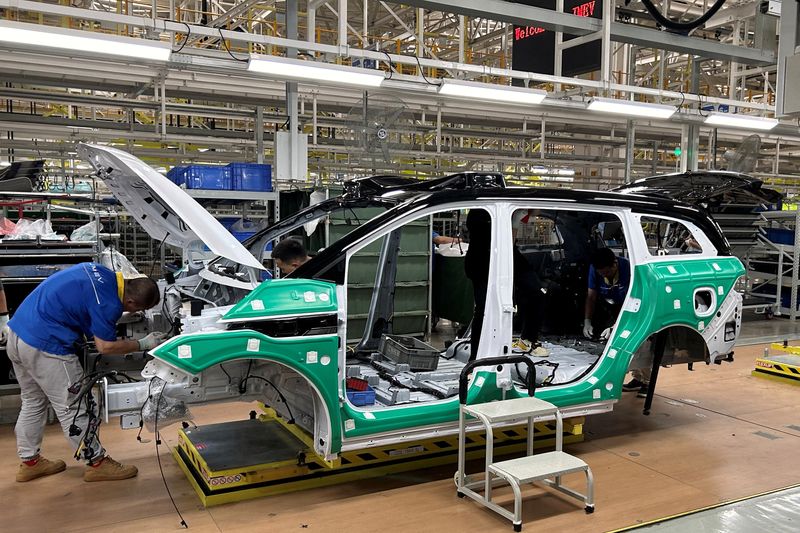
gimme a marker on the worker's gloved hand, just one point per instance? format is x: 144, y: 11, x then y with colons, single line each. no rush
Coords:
x: 606, y: 334
x: 3, y: 329
x: 152, y: 340
x: 588, y: 331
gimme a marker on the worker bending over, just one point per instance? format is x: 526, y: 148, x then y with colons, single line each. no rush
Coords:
x: 84, y: 300
x: 289, y: 254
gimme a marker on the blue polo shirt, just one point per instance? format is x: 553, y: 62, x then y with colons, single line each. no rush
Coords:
x: 80, y: 300
x: 608, y: 289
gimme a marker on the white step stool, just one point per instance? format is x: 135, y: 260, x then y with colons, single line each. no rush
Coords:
x: 526, y: 469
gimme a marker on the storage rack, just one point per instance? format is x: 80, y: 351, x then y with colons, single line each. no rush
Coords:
x: 772, y: 267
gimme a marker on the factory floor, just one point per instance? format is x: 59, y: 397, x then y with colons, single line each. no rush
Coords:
x: 715, y: 434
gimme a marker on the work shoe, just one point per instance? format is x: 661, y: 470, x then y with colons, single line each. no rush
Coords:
x: 632, y: 385
x: 540, y: 351
x: 43, y: 467
x: 522, y: 346
x: 109, y: 470
x: 643, y: 391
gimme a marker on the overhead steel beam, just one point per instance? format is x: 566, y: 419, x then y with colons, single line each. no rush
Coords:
x: 523, y: 15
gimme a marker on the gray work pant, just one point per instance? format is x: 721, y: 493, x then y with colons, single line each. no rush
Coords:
x: 45, y: 377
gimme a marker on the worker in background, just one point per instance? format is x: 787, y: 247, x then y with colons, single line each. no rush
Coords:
x: 443, y: 239
x: 289, y: 254
x: 84, y: 300
x: 609, y: 280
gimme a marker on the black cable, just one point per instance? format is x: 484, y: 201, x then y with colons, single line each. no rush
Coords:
x: 226, y: 373
x: 161, y: 468
x: 186, y: 40
x: 158, y: 250
x: 243, y: 389
x: 682, y: 26
x: 225, y: 44
x: 141, y: 411
x: 421, y: 71
x: 391, y: 64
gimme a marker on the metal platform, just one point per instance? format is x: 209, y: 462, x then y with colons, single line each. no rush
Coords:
x: 781, y: 367
x: 248, y: 459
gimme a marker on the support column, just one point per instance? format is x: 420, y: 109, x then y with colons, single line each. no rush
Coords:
x: 462, y: 38
x: 420, y: 35
x: 732, y: 81
x: 790, y: 20
x: 259, y: 131
x: 342, y: 22
x: 692, y: 154
x: 630, y: 139
x: 291, y: 89
x: 606, y: 46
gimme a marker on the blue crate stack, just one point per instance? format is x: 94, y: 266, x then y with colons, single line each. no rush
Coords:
x: 234, y: 176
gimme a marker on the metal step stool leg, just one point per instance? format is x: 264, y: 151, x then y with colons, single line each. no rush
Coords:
x: 589, y: 500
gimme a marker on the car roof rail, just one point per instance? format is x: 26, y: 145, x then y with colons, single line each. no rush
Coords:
x: 380, y: 185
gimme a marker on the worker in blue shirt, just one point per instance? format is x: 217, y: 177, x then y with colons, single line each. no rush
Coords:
x: 84, y: 300
x: 609, y: 279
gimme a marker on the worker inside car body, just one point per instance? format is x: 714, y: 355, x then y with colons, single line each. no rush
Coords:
x: 289, y: 254
x: 86, y: 299
x: 609, y: 280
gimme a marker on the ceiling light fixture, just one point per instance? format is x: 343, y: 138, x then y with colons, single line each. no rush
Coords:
x: 488, y: 91
x: 629, y: 107
x: 283, y: 67
x: 37, y: 35
x: 741, y: 121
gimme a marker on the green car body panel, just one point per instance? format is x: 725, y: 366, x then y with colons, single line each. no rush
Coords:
x: 654, y: 286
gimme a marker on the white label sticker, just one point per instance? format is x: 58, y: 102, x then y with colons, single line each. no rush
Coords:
x: 596, y: 394
x: 720, y: 290
x: 257, y: 305
x: 310, y: 296
x: 253, y: 345
x: 672, y: 270
x: 311, y: 358
x: 625, y: 334
x: 701, y: 326
x: 184, y: 352
x: 479, y: 382
x: 633, y: 305
x: 612, y: 353
x: 323, y: 297
x: 676, y: 304
x: 324, y: 360
x: 716, y: 267
x: 349, y: 424
x: 592, y: 380
x: 369, y: 416
x: 668, y: 289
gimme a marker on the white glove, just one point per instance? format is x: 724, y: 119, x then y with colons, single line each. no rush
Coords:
x: 3, y: 329
x: 606, y: 334
x: 152, y: 340
x: 588, y: 331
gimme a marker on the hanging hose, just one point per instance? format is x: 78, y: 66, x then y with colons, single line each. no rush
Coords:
x: 682, y: 26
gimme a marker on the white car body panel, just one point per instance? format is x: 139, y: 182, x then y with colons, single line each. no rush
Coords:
x: 165, y: 211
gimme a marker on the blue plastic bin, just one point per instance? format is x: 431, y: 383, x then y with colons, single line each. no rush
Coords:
x: 207, y: 177
x: 361, y: 398
x: 176, y: 175
x: 780, y: 235
x: 251, y: 176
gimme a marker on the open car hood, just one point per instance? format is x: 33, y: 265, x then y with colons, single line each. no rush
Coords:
x: 704, y: 188
x: 163, y: 209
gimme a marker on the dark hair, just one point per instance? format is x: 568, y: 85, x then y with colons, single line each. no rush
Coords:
x: 143, y: 291
x: 603, y: 257
x: 288, y: 250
